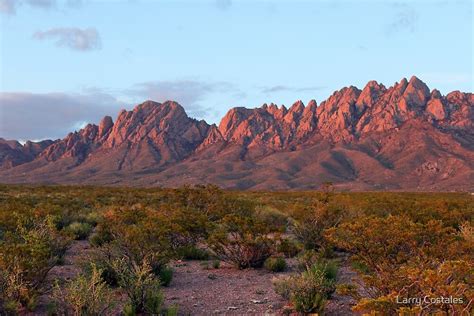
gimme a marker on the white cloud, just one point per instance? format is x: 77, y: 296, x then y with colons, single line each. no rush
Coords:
x: 71, y: 37
x: 52, y: 115
x: 8, y: 6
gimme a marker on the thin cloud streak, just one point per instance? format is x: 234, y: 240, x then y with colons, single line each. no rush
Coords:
x: 71, y: 37
x: 9, y: 7
x: 283, y: 88
x: 405, y: 20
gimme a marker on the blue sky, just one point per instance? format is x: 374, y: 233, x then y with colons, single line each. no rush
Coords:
x: 64, y: 63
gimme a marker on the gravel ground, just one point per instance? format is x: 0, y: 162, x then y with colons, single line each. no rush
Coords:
x: 200, y: 290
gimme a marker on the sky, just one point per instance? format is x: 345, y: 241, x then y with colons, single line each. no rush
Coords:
x: 65, y: 63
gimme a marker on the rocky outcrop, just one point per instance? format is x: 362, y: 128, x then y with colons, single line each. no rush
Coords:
x: 12, y: 153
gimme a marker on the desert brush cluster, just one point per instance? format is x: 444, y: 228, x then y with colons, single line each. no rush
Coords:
x: 402, y: 245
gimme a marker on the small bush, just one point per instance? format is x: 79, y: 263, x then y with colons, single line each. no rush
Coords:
x: 277, y: 264
x: 140, y: 285
x: 310, y: 228
x: 289, y: 248
x: 309, y: 290
x: 216, y: 264
x: 242, y: 241
x: 307, y: 258
x: 85, y: 295
x: 80, y: 231
x: 129, y: 310
x: 272, y: 217
x: 282, y: 286
x: 192, y: 253
x: 172, y: 310
x: 166, y: 275
x: 93, y: 218
x: 27, y: 253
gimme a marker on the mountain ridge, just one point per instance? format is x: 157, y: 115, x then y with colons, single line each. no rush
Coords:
x: 356, y: 139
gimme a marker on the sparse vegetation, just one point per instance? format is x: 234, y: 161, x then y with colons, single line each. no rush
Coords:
x: 275, y: 264
x: 242, y: 241
x: 141, y: 286
x: 309, y: 290
x: 87, y: 294
x: 79, y: 230
x: 400, y: 244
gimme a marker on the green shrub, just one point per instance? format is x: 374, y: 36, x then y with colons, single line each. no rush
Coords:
x: 216, y: 264
x: 172, y: 310
x: 272, y: 217
x: 80, y: 231
x: 310, y: 228
x: 309, y: 290
x: 307, y: 258
x: 288, y: 247
x: 103, y: 262
x: 166, y: 275
x: 85, y: 295
x: 26, y: 256
x: 129, y: 310
x: 192, y: 253
x: 140, y: 284
x: 137, y: 233
x: 93, y: 218
x: 282, y: 286
x: 277, y: 264
x: 242, y: 241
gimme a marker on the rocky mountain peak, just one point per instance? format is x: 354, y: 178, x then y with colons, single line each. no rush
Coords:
x: 368, y: 127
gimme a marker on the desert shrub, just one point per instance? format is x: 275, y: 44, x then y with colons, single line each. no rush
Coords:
x: 282, y: 286
x: 103, y: 260
x: 399, y: 256
x: 242, y: 241
x: 275, y: 264
x: 216, y: 264
x: 79, y: 230
x: 172, y: 310
x: 140, y: 284
x: 272, y: 217
x: 307, y: 258
x: 466, y: 231
x: 192, y: 253
x: 26, y: 256
x: 165, y: 275
x: 288, y: 247
x: 135, y: 233
x: 309, y: 290
x: 187, y: 228
x: 87, y: 294
x: 93, y: 218
x: 309, y: 229
x: 129, y: 310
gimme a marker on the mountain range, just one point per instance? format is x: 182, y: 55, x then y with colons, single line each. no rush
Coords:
x: 404, y: 137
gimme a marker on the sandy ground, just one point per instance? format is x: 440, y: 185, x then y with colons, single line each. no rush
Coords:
x: 200, y: 290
